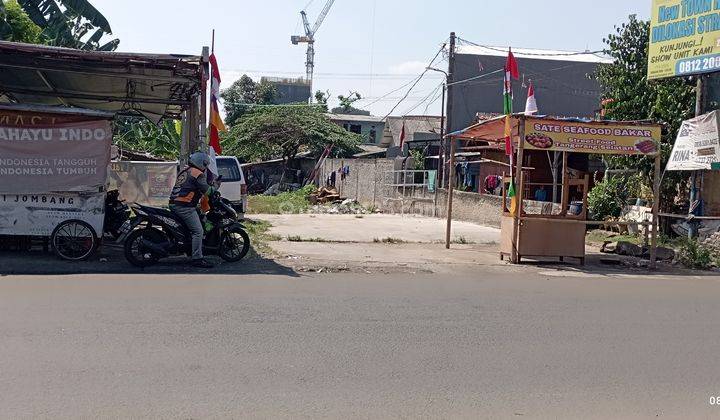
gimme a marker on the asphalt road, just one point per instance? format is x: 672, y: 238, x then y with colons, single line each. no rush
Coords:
x: 470, y: 345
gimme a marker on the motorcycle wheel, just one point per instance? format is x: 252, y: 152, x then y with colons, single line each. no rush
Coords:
x: 234, y: 244
x: 135, y: 252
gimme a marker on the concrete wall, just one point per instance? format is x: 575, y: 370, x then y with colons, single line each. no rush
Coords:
x: 366, y: 180
x: 367, y: 183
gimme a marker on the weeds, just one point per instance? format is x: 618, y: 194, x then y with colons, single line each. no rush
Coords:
x: 292, y: 202
x: 693, y: 254
x: 388, y: 240
x: 298, y: 238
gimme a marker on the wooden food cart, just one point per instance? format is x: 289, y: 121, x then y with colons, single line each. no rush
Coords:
x: 560, y: 232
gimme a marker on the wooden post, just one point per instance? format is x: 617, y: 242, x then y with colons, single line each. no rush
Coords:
x: 202, y: 121
x: 655, y: 211
x: 564, y: 198
x: 515, y: 257
x: 450, y: 188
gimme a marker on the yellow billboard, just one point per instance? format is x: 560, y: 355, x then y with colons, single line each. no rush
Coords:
x: 684, y: 38
x: 592, y: 137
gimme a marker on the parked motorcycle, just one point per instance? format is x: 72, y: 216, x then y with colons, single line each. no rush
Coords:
x: 116, y: 214
x: 157, y: 233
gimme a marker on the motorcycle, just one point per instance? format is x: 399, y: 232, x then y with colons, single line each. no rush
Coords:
x: 116, y: 214
x: 157, y: 233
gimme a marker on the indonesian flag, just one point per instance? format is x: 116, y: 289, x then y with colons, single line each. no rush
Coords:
x: 216, y: 124
x: 531, y: 107
x: 402, y: 135
x: 511, y: 72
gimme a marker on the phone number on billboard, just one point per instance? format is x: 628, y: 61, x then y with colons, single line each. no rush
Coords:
x: 699, y: 65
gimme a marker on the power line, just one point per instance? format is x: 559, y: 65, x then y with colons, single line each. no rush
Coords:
x: 564, y: 54
x: 416, y: 81
x: 428, y: 96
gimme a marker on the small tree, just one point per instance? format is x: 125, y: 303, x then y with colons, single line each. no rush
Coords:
x: 240, y: 97
x: 630, y: 96
x: 285, y: 131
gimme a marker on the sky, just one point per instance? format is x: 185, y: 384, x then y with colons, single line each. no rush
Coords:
x: 370, y: 46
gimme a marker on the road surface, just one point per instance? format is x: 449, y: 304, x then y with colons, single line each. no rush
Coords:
x: 473, y: 344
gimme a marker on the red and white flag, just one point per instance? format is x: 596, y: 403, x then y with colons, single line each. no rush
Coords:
x: 216, y: 124
x: 402, y: 136
x: 531, y: 107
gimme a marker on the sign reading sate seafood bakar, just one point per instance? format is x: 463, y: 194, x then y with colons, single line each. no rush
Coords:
x: 579, y: 137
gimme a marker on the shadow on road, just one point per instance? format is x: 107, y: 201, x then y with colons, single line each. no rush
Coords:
x: 110, y: 260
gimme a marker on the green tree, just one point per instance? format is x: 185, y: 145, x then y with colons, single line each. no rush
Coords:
x: 284, y: 131
x: 65, y: 23
x: 321, y: 98
x: 628, y: 94
x: 16, y: 25
x: 140, y: 135
x: 346, y: 102
x: 240, y: 97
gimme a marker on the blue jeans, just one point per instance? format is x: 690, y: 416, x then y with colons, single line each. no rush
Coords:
x: 190, y: 216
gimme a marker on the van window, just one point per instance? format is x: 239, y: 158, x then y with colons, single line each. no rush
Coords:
x: 229, y: 170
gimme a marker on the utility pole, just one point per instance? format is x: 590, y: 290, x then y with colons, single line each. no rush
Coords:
x: 694, y: 193
x: 450, y: 144
x: 449, y: 104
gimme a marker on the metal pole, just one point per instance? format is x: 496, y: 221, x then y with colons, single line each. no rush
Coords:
x: 441, y: 152
x: 450, y: 188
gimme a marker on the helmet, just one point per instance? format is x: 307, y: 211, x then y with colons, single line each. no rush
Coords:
x: 199, y: 160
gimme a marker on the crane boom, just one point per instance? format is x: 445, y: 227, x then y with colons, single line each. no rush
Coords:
x: 309, y: 39
x: 322, y: 16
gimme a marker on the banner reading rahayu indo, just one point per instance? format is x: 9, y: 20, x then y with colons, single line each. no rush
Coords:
x: 684, y: 38
x: 600, y: 138
x: 43, y: 153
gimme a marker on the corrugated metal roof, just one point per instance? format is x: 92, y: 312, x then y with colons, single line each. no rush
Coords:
x: 353, y: 117
x: 156, y: 85
x: 413, y: 124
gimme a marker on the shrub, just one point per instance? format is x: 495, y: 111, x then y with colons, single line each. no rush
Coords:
x: 608, y: 198
x: 693, y: 254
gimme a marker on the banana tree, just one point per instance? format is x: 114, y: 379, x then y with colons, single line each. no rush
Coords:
x: 66, y: 23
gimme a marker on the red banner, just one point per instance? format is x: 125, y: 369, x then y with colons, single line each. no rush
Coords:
x: 41, y: 153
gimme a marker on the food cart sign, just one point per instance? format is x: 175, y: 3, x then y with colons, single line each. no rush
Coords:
x: 581, y: 137
x: 684, y: 38
x: 697, y: 146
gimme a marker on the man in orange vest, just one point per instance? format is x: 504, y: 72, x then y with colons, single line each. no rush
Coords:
x: 190, y: 187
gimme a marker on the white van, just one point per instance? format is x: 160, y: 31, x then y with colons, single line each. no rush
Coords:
x: 233, y: 186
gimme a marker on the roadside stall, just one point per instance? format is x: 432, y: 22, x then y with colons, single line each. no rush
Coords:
x: 559, y: 231
x: 58, y: 104
x: 53, y: 171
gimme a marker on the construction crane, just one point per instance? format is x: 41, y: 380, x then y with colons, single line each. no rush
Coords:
x: 309, y: 38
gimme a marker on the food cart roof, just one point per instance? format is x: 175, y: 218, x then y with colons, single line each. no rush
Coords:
x: 156, y: 85
x: 493, y: 130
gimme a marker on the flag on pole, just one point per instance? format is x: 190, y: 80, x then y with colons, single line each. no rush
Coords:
x: 531, y: 107
x: 216, y: 124
x: 511, y: 72
x: 402, y: 136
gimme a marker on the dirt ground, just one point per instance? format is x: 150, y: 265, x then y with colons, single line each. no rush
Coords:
x: 385, y: 243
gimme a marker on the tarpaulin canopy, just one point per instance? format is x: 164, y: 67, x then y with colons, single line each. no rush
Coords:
x: 569, y: 134
x: 155, y: 85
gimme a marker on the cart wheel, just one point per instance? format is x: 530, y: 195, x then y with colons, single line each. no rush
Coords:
x: 73, y: 240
